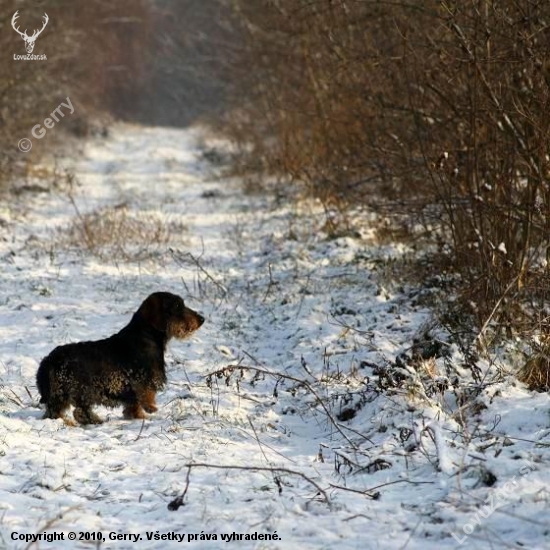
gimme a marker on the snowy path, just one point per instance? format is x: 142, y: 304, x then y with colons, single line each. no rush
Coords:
x: 278, y: 297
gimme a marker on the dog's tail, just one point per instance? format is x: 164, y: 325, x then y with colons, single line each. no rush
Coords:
x: 43, y: 379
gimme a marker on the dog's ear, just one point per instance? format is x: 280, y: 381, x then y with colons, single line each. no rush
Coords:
x: 152, y: 312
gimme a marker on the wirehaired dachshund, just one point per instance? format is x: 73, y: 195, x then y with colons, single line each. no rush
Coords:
x: 124, y: 369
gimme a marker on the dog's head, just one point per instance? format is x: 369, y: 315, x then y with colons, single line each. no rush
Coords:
x: 167, y: 313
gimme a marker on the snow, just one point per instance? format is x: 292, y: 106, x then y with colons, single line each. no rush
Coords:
x: 303, y: 367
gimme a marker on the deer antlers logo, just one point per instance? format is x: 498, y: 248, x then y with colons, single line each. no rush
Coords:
x: 29, y: 40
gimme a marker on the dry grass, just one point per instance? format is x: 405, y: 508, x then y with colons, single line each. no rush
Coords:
x: 535, y: 373
x: 435, y: 114
x: 118, y: 233
x: 80, y: 59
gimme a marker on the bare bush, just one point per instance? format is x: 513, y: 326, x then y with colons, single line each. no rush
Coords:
x: 433, y: 111
x: 96, y: 65
x: 120, y: 234
x: 535, y: 373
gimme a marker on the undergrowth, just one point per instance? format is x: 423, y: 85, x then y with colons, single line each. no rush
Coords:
x: 434, y: 115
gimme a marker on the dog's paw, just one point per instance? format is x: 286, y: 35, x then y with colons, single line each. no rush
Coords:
x: 85, y: 416
x: 150, y: 407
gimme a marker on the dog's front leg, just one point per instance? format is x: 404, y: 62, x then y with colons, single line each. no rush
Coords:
x: 147, y: 400
x: 134, y: 410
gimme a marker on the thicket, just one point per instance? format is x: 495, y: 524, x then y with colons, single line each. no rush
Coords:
x: 94, y: 56
x: 161, y: 62
x: 433, y: 111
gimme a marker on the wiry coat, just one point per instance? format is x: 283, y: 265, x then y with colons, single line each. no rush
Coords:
x: 126, y: 368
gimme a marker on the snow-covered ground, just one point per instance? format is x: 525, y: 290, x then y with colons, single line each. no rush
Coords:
x: 328, y: 422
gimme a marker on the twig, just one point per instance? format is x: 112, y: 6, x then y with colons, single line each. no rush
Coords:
x: 257, y: 439
x: 271, y: 470
x: 358, y: 433
x: 411, y: 534
x: 355, y: 516
x: 294, y: 379
x: 374, y: 496
x: 178, y: 501
x: 29, y: 393
x: 17, y: 399
x: 264, y: 444
x: 179, y: 258
x: 140, y: 430
x: 84, y: 224
x: 50, y: 523
x: 399, y: 481
x: 270, y: 284
x: 493, y: 312
x: 276, y: 480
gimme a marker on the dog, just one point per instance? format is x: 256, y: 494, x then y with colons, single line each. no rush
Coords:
x: 126, y: 368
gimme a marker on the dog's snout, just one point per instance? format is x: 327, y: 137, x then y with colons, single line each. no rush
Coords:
x: 193, y: 318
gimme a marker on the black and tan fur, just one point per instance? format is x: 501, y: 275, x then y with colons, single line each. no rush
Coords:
x: 124, y: 369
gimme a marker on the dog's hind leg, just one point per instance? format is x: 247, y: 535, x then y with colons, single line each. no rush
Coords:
x: 55, y: 398
x: 83, y: 414
x: 56, y: 408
